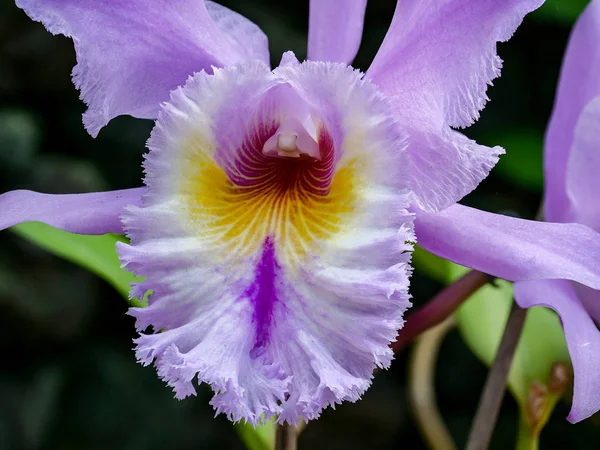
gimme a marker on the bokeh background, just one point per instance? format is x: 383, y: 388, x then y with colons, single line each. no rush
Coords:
x: 68, y: 376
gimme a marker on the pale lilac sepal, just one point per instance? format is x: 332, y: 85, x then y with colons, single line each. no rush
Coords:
x: 94, y: 213
x: 132, y: 53
x: 435, y: 65
x: 511, y: 248
x: 335, y: 29
x: 590, y: 299
x: 579, y: 84
x: 583, y: 168
x: 438, y: 58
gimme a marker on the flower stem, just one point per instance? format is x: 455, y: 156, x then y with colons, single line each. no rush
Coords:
x: 493, y: 391
x: 527, y: 439
x: 286, y: 437
x: 422, y: 386
x: 439, y: 307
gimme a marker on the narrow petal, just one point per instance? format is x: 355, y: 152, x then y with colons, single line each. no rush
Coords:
x: 131, y: 54
x: 280, y: 281
x: 590, y: 299
x: 95, y: 213
x: 335, y: 29
x: 583, y: 182
x: 511, y: 248
x: 581, y: 333
x: 579, y: 84
x: 435, y: 65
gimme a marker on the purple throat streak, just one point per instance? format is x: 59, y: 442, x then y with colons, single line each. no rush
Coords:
x: 263, y: 296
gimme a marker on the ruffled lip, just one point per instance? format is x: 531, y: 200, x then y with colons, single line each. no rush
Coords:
x: 260, y: 267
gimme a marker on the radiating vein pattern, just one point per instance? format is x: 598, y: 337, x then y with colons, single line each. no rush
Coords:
x: 244, y: 197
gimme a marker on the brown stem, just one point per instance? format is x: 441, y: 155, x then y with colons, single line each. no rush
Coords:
x: 286, y: 437
x: 439, y: 307
x: 493, y: 391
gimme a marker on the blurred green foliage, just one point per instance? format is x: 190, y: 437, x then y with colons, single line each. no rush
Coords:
x: 523, y: 168
x: 481, y: 321
x: 96, y: 253
x: 261, y: 437
x: 563, y: 12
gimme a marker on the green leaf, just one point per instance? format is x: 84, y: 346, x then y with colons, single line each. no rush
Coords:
x: 561, y: 12
x: 260, y: 438
x: 481, y: 322
x: 95, y: 253
x: 433, y: 266
x: 523, y: 164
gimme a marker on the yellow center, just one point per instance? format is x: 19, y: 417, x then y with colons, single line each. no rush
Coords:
x: 287, y: 200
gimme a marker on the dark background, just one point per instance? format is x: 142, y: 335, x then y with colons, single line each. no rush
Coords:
x: 68, y: 376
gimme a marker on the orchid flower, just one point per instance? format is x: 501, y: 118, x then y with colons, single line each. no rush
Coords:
x: 280, y: 206
x: 572, y: 189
